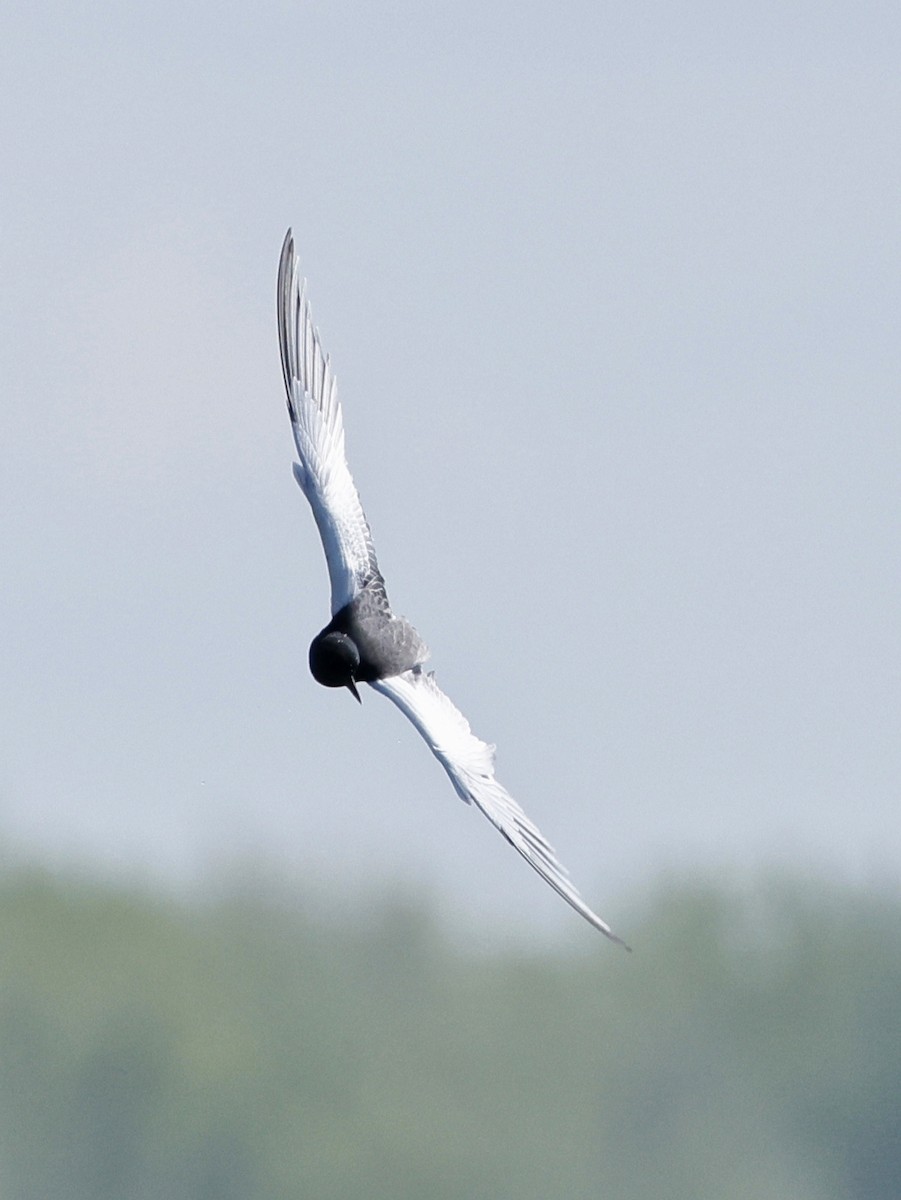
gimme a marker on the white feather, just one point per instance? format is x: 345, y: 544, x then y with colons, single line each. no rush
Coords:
x: 318, y: 429
x: 469, y: 763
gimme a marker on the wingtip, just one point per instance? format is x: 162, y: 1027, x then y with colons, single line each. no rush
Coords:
x: 600, y: 925
x: 593, y: 919
x: 287, y: 261
x: 618, y: 940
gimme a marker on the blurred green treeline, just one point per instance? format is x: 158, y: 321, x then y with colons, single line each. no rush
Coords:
x: 750, y: 1049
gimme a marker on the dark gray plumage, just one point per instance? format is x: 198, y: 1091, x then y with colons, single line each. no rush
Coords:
x: 365, y: 641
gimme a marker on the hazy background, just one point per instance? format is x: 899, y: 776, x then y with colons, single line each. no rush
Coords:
x: 612, y: 292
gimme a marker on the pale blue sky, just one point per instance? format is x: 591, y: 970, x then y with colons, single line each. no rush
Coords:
x: 612, y: 292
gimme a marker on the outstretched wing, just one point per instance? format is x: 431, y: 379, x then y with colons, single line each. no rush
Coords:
x: 318, y: 429
x: 470, y: 764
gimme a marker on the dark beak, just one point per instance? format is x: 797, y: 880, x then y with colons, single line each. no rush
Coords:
x: 356, y: 694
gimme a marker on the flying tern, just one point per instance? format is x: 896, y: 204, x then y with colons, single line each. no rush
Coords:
x: 365, y: 642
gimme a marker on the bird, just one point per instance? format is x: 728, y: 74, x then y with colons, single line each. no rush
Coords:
x: 365, y: 641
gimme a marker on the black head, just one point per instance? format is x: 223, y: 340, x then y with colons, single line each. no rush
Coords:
x: 334, y: 660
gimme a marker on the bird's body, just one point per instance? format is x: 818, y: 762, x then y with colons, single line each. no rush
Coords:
x: 365, y: 642
x: 386, y: 643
